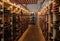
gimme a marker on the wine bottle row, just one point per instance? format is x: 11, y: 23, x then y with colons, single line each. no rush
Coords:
x: 1, y: 21
x: 50, y: 22
x: 12, y: 23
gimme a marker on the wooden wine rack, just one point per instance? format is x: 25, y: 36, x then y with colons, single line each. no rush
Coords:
x: 47, y: 20
x: 56, y: 12
x: 12, y: 23
x: 1, y: 21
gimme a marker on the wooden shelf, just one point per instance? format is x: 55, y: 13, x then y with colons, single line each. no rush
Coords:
x: 13, y: 24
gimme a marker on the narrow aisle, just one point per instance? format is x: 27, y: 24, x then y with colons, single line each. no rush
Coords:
x: 33, y: 34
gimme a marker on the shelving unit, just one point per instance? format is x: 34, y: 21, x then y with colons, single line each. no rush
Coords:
x: 50, y: 22
x: 1, y: 21
x: 16, y: 26
x: 20, y: 24
x: 14, y: 21
x: 46, y: 20
x: 56, y: 12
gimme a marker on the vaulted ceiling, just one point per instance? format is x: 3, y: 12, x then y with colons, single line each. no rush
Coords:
x: 33, y: 6
x: 36, y: 7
